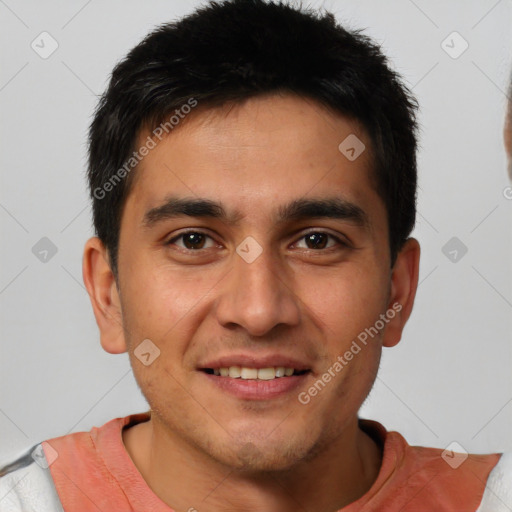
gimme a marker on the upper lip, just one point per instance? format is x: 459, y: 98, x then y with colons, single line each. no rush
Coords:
x: 253, y: 361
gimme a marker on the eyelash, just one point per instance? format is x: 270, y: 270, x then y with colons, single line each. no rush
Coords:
x: 338, y: 240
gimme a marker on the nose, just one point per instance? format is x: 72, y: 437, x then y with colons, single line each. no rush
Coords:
x: 256, y: 297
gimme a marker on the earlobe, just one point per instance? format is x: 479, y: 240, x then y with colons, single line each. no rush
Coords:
x: 102, y: 288
x: 404, y: 283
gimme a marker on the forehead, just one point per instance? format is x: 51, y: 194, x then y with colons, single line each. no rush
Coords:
x: 256, y: 156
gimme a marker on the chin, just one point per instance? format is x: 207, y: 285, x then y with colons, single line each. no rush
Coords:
x: 262, y: 456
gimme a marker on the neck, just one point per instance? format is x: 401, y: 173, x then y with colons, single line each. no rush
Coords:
x: 188, y: 479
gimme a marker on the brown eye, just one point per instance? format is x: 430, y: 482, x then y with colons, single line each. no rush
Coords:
x: 193, y: 240
x: 318, y: 240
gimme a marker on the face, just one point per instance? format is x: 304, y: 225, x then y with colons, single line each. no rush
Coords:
x: 250, y: 242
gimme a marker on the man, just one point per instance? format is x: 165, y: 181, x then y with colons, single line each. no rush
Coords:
x: 253, y: 176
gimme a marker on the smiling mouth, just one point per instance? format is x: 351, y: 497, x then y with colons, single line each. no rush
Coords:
x: 246, y: 373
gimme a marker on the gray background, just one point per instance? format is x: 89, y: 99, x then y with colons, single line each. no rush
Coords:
x: 449, y: 379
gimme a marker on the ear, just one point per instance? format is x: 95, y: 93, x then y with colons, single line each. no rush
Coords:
x: 404, y: 282
x: 102, y: 287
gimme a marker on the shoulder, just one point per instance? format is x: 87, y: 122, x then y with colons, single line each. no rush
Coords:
x: 453, y: 468
x: 26, y: 484
x: 426, y: 478
x: 37, y: 481
x: 498, y: 492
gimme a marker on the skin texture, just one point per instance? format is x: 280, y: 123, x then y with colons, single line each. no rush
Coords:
x: 309, y: 303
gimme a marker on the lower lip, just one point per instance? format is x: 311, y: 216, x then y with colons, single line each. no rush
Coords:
x: 252, y: 389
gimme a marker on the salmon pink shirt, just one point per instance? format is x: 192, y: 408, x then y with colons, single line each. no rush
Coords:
x: 93, y: 472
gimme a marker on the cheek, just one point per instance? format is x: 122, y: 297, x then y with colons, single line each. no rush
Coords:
x: 345, y: 301
x: 162, y: 303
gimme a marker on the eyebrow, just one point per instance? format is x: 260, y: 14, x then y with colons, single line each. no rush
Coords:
x: 299, y: 209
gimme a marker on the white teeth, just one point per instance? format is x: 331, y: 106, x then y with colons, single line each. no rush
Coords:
x: 269, y: 373
x: 235, y: 372
x: 280, y: 371
x: 266, y: 373
x: 249, y: 373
